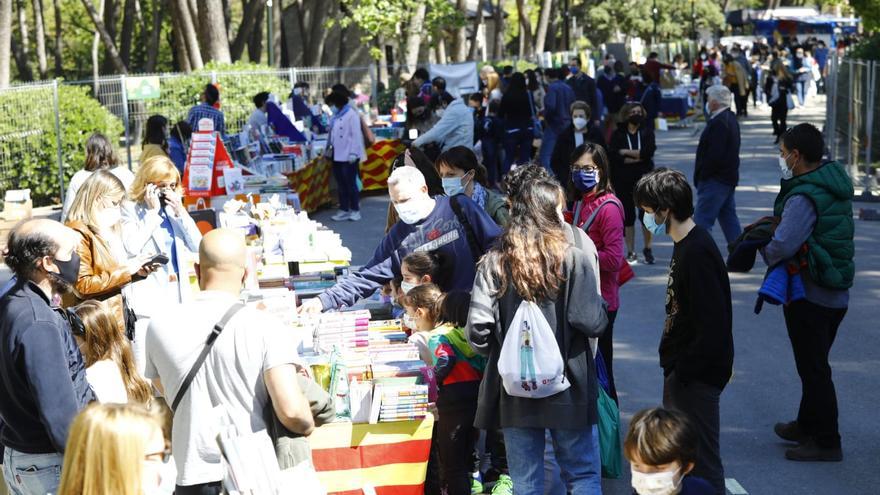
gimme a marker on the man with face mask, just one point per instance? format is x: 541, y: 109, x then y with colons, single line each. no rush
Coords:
x: 249, y: 368
x: 459, y: 230
x: 716, y: 170
x: 816, y: 227
x: 42, y: 374
x: 696, y: 347
x: 456, y: 124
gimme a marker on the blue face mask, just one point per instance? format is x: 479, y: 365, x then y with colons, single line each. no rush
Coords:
x: 583, y: 180
x: 573, y: 69
x: 454, y: 185
x: 652, y: 225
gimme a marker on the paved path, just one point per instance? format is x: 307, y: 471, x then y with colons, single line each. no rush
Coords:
x: 765, y: 387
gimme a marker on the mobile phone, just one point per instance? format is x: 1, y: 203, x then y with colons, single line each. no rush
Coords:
x: 163, y: 199
x: 159, y: 259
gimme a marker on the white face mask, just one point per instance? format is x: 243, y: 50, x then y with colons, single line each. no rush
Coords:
x: 414, y: 210
x: 579, y: 122
x: 407, y: 286
x: 409, y: 322
x: 783, y: 167
x: 109, y: 217
x: 440, y: 112
x: 662, y: 483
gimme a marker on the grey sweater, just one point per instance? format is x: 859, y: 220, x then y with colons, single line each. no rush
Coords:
x: 576, y: 315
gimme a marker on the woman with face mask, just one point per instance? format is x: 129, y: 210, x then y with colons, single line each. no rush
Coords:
x: 116, y: 448
x: 158, y: 223
x: 631, y: 154
x: 461, y: 173
x: 599, y: 213
x: 661, y: 447
x: 580, y: 132
x: 105, y: 271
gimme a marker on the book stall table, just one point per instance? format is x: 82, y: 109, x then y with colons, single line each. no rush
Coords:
x: 392, y: 458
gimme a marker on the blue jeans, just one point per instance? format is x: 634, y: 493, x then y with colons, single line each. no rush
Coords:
x: 801, y: 91
x: 31, y: 474
x: 576, y: 451
x: 548, y: 142
x: 715, y: 201
x: 346, y: 174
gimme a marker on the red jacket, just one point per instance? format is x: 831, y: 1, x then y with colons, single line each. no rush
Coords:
x: 606, y: 232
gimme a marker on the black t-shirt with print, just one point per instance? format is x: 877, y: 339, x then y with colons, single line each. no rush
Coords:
x: 697, y: 340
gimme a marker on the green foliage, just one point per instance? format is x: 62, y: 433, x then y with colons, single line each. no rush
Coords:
x: 238, y: 82
x: 868, y: 48
x: 609, y: 18
x: 28, y: 151
x: 869, y: 11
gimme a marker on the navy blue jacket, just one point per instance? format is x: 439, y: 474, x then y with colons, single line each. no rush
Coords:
x: 440, y: 231
x: 42, y: 374
x: 557, y: 106
x: 584, y: 88
x: 718, y: 151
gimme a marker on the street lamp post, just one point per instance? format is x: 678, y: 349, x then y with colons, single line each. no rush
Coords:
x: 694, y: 20
x: 654, y: 12
x: 566, y: 25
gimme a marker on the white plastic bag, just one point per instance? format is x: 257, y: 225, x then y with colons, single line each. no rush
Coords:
x: 530, y: 363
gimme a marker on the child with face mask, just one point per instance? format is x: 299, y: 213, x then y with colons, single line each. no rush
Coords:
x: 661, y: 446
x: 458, y: 369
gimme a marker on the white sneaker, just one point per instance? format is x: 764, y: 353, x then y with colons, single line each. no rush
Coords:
x: 354, y: 216
x: 340, y: 216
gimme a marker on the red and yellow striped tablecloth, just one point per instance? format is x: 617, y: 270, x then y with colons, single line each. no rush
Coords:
x: 390, y: 457
x: 312, y: 183
x: 377, y: 166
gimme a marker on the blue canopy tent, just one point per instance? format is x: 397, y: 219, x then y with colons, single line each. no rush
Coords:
x: 806, y: 26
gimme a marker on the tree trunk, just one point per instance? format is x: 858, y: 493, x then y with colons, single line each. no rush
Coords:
x: 59, y: 60
x: 40, y: 23
x: 475, y: 38
x: 543, y: 24
x: 340, y: 58
x: 23, y: 54
x: 159, y: 7
x: 276, y: 33
x: 318, y: 36
x: 212, y: 31
x: 382, y: 61
x: 460, y: 40
x: 255, y: 42
x: 129, y: 14
x: 227, y: 18
x: 186, y: 22
x: 498, y: 48
x: 414, y: 38
x: 110, y: 15
x: 552, y: 40
x: 5, y: 41
x: 525, y: 29
x: 115, y: 60
x: 441, y: 48
x: 248, y: 23
x: 182, y: 52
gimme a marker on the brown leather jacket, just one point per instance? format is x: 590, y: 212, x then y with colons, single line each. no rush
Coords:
x: 101, y: 277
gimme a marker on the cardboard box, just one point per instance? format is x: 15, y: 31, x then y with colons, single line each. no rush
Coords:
x: 18, y: 205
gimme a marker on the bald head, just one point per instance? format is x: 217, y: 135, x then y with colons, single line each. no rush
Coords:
x: 223, y: 250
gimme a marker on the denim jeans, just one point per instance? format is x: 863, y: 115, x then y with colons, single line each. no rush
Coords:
x: 801, y: 87
x: 548, y: 142
x: 31, y: 474
x: 517, y: 147
x: 575, y: 451
x: 715, y: 201
x: 346, y: 174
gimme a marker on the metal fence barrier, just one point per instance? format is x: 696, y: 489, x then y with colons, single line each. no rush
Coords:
x: 852, y: 132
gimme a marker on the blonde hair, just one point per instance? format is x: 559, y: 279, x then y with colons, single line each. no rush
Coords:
x: 105, y: 340
x: 154, y: 169
x: 106, y: 448
x: 100, y: 188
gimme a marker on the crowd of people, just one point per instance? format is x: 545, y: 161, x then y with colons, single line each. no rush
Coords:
x: 505, y: 265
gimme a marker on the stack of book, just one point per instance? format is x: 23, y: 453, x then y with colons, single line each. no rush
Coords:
x: 344, y: 331
x: 399, y: 402
x: 386, y: 332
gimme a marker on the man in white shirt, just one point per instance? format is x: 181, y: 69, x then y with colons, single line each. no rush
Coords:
x: 251, y: 362
x: 259, y: 118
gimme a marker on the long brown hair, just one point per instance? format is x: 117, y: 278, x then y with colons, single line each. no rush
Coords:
x: 104, y: 339
x: 532, y: 249
x: 100, y: 153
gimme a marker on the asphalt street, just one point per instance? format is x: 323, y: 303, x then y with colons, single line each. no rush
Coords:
x: 765, y: 387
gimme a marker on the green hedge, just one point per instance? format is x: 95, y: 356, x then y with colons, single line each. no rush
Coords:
x: 28, y: 152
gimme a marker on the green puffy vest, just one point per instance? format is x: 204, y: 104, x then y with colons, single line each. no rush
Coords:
x: 830, y: 248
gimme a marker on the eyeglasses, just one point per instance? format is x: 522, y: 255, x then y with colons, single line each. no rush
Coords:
x: 161, y: 456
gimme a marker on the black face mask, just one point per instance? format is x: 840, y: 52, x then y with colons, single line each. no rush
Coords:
x: 69, y: 269
x: 636, y: 119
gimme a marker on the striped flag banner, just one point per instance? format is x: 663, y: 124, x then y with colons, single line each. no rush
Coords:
x: 392, y: 457
x: 376, y: 168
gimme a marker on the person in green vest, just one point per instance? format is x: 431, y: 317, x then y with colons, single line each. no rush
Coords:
x: 816, y: 229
